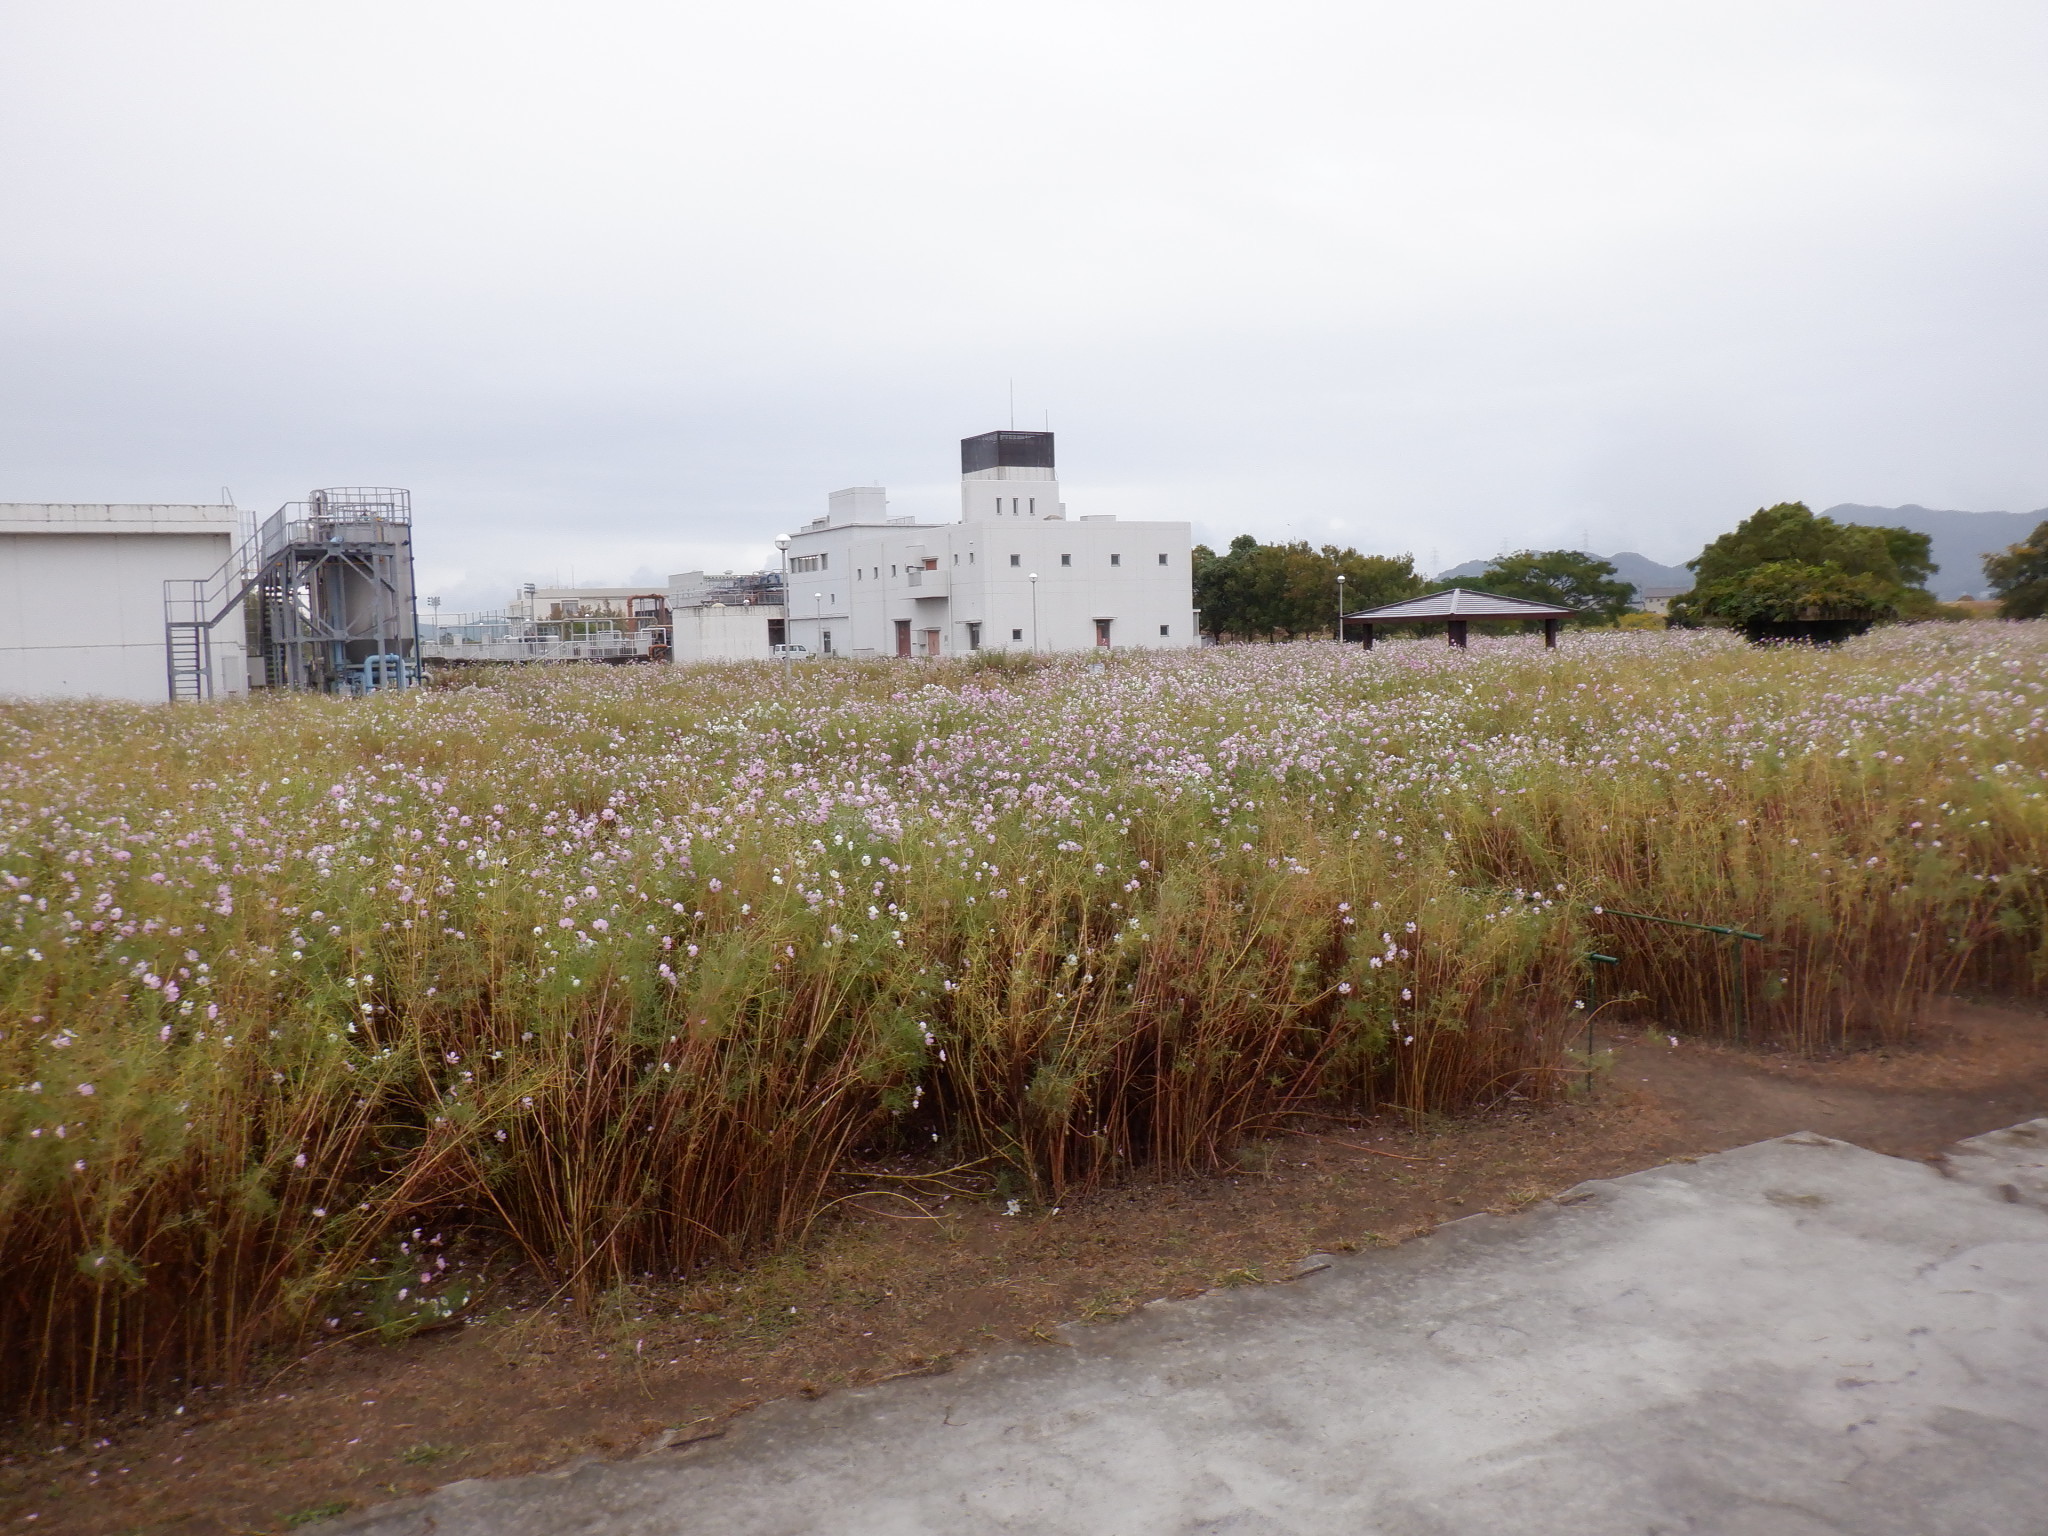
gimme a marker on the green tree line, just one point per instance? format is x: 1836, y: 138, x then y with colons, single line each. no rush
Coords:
x: 1255, y: 591
x: 1783, y: 564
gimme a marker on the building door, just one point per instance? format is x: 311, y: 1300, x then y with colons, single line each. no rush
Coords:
x: 1102, y: 631
x: 778, y: 631
x: 903, y: 637
x: 974, y: 637
x: 931, y: 642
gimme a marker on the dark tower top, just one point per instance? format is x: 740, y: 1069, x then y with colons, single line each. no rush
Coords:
x: 1006, y: 450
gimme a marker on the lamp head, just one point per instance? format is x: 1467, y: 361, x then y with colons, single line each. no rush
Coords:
x: 782, y: 541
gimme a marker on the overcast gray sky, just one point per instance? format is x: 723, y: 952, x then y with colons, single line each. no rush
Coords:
x: 618, y: 286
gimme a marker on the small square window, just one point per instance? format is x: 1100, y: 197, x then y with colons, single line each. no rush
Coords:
x: 1162, y: 559
x: 1164, y: 628
x: 1066, y: 559
x: 1016, y: 559
x: 1016, y: 634
x: 1116, y: 559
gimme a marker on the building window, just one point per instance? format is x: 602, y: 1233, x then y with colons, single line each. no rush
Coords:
x: 1163, y: 629
x: 1016, y: 634
x: 825, y: 642
x: 1116, y: 559
x: 1102, y: 631
x: 808, y: 563
x: 1066, y: 559
x: 956, y: 559
x: 892, y: 570
x: 1016, y: 559
x: 1162, y: 559
x: 778, y: 631
x: 1034, y: 506
x: 974, y: 637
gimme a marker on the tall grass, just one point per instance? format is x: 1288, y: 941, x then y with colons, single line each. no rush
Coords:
x: 620, y: 967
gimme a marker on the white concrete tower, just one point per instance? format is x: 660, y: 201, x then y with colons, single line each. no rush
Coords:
x: 1008, y: 477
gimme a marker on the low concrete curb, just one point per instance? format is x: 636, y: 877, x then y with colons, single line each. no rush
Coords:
x: 1793, y: 1338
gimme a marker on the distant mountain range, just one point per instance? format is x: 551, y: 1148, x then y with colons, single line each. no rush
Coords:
x: 1961, y: 539
x: 1960, y: 542
x: 1640, y: 570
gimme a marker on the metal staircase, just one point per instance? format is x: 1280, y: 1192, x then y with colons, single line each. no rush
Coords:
x: 192, y: 611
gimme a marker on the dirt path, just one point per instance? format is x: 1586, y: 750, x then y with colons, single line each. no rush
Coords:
x: 930, y: 1275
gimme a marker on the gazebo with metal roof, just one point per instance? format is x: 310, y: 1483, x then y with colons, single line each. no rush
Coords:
x: 1457, y: 608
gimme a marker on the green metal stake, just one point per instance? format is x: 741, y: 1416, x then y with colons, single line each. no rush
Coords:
x: 1593, y: 1006
x: 1735, y: 937
x: 1741, y: 991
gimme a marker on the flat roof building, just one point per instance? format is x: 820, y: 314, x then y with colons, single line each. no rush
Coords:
x: 1014, y: 573
x: 82, y: 596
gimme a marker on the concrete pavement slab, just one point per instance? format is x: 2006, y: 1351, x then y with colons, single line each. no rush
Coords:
x: 1793, y: 1338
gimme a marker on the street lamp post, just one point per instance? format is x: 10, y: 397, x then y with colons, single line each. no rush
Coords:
x: 1340, y: 607
x: 1034, y: 611
x: 782, y: 553
x: 818, y: 618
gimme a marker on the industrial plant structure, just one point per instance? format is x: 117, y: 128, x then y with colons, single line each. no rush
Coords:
x: 323, y: 594
x: 609, y: 624
x: 192, y: 602
x: 159, y: 601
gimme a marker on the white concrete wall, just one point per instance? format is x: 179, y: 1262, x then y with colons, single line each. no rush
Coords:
x: 1010, y: 494
x: 1077, y: 585
x: 718, y: 633
x: 82, y: 600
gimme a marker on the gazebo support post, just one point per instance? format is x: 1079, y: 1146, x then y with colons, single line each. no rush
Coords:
x: 1550, y: 634
x: 1457, y: 636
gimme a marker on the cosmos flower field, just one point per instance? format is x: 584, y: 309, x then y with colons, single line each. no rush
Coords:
x: 616, y: 969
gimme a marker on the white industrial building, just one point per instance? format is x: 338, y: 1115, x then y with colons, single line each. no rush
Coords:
x: 157, y: 601
x: 1015, y: 573
x: 82, y: 596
